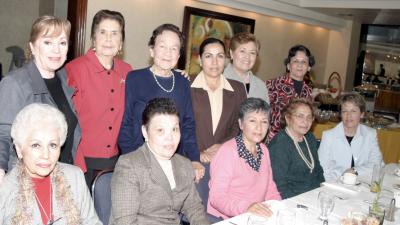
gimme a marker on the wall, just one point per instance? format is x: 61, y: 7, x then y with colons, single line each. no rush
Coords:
x: 16, y: 18
x: 276, y: 35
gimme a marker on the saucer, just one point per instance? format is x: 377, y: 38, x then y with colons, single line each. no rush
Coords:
x: 357, y: 183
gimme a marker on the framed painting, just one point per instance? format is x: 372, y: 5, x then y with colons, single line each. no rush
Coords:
x: 199, y: 24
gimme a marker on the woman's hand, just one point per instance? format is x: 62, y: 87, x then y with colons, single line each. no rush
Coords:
x: 199, y: 171
x: 208, y: 154
x: 260, y: 209
x: 183, y: 73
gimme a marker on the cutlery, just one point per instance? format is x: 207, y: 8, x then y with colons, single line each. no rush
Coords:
x: 233, y: 223
x: 302, y: 206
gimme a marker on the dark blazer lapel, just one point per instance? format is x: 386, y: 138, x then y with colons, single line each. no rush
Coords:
x: 38, y: 85
x: 227, y: 108
x: 201, y: 96
x: 156, y: 173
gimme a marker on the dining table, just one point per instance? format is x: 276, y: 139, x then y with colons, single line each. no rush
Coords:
x: 348, y: 199
x: 388, y: 140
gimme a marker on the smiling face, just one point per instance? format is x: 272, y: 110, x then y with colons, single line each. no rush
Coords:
x: 162, y: 135
x: 244, y: 57
x: 298, y: 66
x: 213, y: 60
x: 254, y: 126
x: 300, y: 121
x: 165, y: 52
x: 351, y: 115
x: 50, y: 53
x: 40, y: 150
x: 107, y: 39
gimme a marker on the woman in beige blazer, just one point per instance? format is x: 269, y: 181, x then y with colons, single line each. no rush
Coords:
x: 153, y: 185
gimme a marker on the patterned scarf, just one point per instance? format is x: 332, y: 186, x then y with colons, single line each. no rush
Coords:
x: 254, y: 163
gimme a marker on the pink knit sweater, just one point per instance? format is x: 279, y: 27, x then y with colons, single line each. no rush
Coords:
x: 234, y: 185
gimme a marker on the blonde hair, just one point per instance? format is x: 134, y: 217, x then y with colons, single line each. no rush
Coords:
x: 49, y: 26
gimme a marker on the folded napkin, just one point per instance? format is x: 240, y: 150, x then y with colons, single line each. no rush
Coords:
x: 341, y: 187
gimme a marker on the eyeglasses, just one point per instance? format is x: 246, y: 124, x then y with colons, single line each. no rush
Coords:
x: 301, y: 63
x: 303, y: 117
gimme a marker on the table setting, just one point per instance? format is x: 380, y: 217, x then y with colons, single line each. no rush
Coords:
x: 361, y: 200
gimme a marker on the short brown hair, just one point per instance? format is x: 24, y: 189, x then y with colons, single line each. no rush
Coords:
x: 291, y: 108
x: 354, y: 98
x: 243, y: 38
x: 166, y: 27
x: 107, y: 14
x: 47, y: 26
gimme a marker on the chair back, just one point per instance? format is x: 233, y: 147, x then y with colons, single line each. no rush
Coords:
x: 101, y: 192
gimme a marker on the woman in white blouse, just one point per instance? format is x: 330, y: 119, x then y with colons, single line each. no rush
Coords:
x: 350, y: 146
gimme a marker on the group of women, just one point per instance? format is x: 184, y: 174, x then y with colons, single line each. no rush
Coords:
x: 97, y: 106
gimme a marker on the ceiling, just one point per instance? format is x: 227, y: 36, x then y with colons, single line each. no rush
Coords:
x: 384, y: 12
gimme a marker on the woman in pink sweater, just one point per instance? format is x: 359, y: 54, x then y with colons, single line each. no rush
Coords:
x: 241, y: 175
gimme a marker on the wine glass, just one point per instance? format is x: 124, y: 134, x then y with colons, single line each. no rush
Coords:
x: 326, y: 203
x: 286, y: 217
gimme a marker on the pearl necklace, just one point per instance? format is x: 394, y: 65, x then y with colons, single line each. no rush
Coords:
x: 309, y: 164
x: 173, y: 82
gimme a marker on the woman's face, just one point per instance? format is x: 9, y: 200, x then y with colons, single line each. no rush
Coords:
x: 108, y: 38
x: 351, y: 115
x: 244, y: 57
x: 298, y: 66
x: 40, y: 150
x: 254, y: 126
x: 213, y: 60
x: 163, y: 134
x: 300, y: 121
x: 50, y: 52
x: 165, y: 52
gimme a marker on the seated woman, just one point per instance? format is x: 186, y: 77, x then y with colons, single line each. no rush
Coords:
x: 350, y: 146
x: 153, y: 185
x: 293, y: 151
x: 40, y: 190
x: 241, y: 175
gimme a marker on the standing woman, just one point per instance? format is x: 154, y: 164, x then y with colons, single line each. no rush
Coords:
x: 160, y: 80
x: 291, y: 85
x: 216, y: 100
x: 293, y: 151
x: 40, y: 80
x: 99, y: 81
x: 244, y: 48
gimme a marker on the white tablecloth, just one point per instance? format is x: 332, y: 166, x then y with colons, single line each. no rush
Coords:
x: 356, y: 198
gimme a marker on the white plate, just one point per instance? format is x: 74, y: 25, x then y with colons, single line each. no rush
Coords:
x: 357, y: 183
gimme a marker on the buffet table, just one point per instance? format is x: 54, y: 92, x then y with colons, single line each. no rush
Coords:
x: 354, y: 198
x: 388, y: 139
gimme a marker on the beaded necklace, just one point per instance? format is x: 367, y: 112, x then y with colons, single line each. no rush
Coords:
x: 310, y: 163
x: 158, y: 83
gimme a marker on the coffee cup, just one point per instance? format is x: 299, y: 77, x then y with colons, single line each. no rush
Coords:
x: 349, y: 178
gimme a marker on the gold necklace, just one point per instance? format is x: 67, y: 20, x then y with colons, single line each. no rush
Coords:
x: 309, y: 163
x: 50, y: 220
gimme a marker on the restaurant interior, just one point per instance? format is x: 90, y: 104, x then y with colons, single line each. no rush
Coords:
x: 356, y: 45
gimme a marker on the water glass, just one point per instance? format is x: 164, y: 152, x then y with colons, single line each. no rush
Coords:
x: 377, y: 177
x: 326, y: 203
x: 286, y: 217
x: 256, y: 220
x: 376, y: 212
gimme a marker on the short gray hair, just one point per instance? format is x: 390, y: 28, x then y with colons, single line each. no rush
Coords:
x: 37, y: 113
x: 253, y: 105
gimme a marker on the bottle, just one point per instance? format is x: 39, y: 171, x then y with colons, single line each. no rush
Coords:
x: 390, y: 213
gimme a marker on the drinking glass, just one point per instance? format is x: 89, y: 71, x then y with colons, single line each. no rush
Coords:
x: 377, y: 177
x: 256, y: 220
x: 286, y: 217
x: 326, y: 203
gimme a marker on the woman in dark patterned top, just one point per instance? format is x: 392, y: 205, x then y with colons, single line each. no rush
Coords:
x: 291, y: 85
x: 293, y: 151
